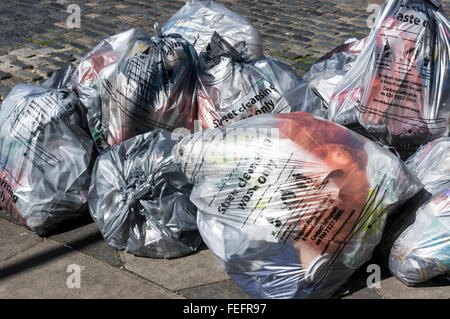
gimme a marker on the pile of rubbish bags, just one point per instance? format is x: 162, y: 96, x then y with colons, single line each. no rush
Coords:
x: 195, y: 135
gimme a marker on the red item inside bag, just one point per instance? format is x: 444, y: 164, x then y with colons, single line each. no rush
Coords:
x: 345, y: 164
x: 397, y: 90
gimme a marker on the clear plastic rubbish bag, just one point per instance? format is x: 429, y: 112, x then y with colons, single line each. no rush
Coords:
x: 291, y: 204
x: 431, y: 164
x: 139, y: 199
x: 132, y: 84
x: 197, y: 21
x: 398, y: 87
x: 232, y: 86
x: 420, y: 236
x: 324, y: 75
x: 46, y: 156
x: 422, y: 251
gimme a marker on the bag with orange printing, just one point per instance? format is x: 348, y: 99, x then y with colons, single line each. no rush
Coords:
x: 291, y: 204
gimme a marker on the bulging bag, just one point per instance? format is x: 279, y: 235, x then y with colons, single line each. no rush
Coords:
x: 139, y: 199
x: 431, y: 164
x: 422, y: 251
x: 132, y: 84
x: 291, y: 204
x: 324, y: 75
x: 45, y: 156
x: 421, y: 243
x: 197, y: 21
x: 232, y: 86
x: 398, y: 87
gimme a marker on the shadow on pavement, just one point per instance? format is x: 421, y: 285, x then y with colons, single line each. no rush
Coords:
x: 70, y: 225
x: 43, y: 258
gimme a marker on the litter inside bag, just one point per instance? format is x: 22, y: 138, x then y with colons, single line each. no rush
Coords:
x: 291, y: 204
x: 419, y: 237
x: 397, y: 89
x: 422, y: 251
x: 197, y: 21
x: 45, y: 156
x: 139, y: 199
x: 232, y: 86
x: 132, y: 84
x: 324, y: 75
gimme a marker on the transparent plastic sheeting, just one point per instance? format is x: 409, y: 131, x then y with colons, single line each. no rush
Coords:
x: 232, y: 86
x: 291, y: 204
x: 139, y: 199
x: 197, y: 21
x: 324, y: 75
x: 45, y: 156
x: 60, y: 79
x: 132, y: 84
x: 423, y: 250
x: 398, y: 88
x: 431, y: 164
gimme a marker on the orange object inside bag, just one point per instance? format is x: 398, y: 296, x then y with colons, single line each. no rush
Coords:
x: 91, y: 67
x: 327, y: 229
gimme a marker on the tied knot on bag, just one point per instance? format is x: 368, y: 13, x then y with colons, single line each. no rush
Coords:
x: 130, y: 198
x: 219, y: 47
x: 136, y: 189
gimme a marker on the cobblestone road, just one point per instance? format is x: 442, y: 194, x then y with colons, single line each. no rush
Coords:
x: 35, y: 40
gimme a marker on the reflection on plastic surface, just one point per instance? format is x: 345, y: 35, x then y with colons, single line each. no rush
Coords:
x: 431, y: 164
x: 131, y: 84
x: 398, y: 87
x: 324, y: 75
x: 45, y: 156
x: 197, y: 21
x: 291, y: 204
x: 423, y: 250
x: 139, y: 199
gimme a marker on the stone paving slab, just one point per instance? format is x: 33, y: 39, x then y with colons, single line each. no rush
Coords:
x: 15, y: 239
x: 41, y: 272
x: 220, y: 290
x: 177, y: 274
x: 89, y: 240
x: 392, y: 288
x: 28, y: 264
